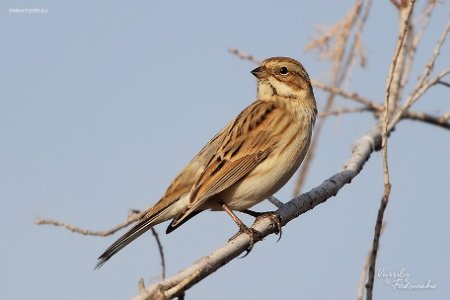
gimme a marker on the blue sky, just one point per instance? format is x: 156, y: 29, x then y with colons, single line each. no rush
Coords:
x: 103, y: 102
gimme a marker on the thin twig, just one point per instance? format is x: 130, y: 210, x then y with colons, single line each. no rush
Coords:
x: 141, y: 285
x: 364, y: 271
x: 133, y: 216
x: 161, y: 253
x: 403, y: 60
x: 444, y: 83
x: 430, y: 65
x: 423, y: 84
x: 344, y: 110
x: 356, y: 48
x: 275, y: 201
x: 362, y: 278
x: 442, y: 121
x: 416, y: 96
x: 414, y: 40
x: 131, y: 219
x: 342, y: 63
x: 424, y: 18
x: 244, y: 56
x: 348, y: 95
x: 406, y: 16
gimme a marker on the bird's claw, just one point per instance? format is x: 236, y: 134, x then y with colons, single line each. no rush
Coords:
x: 254, y: 235
x: 276, y: 221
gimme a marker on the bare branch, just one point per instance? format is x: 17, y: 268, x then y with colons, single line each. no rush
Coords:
x: 406, y: 17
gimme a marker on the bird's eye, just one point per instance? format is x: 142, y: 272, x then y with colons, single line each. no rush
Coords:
x: 284, y: 70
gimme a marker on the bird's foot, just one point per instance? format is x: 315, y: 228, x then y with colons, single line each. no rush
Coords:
x: 273, y: 216
x: 254, y: 235
x: 275, y: 220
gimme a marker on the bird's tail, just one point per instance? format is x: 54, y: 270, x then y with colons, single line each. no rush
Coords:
x: 135, y: 232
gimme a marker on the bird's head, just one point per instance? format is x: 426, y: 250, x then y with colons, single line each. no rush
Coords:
x: 282, y: 77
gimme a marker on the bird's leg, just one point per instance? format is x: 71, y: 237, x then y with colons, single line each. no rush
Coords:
x: 273, y: 216
x: 252, y: 233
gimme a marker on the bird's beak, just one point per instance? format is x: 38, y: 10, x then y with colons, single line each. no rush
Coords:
x: 260, y: 72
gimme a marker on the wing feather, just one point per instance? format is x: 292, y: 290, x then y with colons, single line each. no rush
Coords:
x: 247, y: 142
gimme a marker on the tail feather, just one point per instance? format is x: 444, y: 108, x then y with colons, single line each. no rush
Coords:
x: 162, y: 211
x: 172, y: 227
x: 139, y: 229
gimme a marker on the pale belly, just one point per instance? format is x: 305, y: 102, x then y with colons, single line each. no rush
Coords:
x: 265, y: 180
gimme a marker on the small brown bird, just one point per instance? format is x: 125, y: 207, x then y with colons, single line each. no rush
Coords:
x: 247, y: 161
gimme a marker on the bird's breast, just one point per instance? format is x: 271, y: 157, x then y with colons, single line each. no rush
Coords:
x: 272, y: 173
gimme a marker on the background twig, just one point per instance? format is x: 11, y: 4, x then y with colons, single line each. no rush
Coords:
x: 342, y: 63
x: 391, y: 96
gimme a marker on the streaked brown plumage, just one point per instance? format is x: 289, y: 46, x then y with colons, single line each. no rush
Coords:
x: 247, y: 161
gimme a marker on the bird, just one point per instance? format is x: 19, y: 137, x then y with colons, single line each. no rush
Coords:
x: 249, y: 160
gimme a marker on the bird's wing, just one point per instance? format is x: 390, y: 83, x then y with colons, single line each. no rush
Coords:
x: 183, y: 183
x: 250, y: 138
x: 163, y: 210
